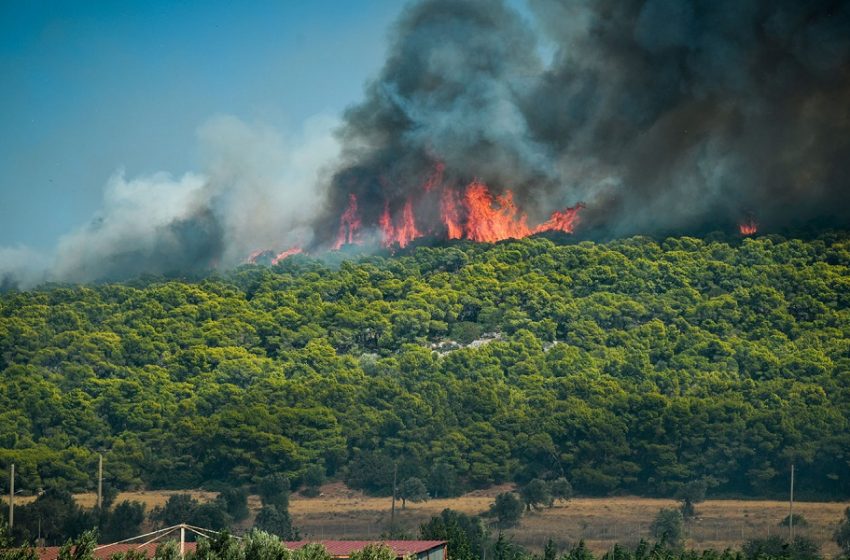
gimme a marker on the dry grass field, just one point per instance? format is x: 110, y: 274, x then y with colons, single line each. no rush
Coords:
x: 341, y: 513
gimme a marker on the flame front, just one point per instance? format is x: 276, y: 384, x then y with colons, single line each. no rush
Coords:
x: 492, y: 220
x: 402, y: 234
x: 287, y: 253
x: 349, y: 224
x: 748, y: 227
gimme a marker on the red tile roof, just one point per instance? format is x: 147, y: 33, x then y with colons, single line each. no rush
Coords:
x: 339, y: 549
x: 345, y: 548
x: 52, y: 552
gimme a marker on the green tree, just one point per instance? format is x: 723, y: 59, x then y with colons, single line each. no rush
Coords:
x: 507, y: 509
x: 81, y: 548
x: 442, y: 480
x: 235, y: 502
x: 412, y: 489
x: 274, y: 490
x: 561, y: 489
x: 259, y: 545
x: 179, y: 508
x: 465, y: 535
x: 690, y: 494
x: 373, y: 551
x: 536, y: 494
x: 311, y: 551
x: 123, y: 521
x: 276, y: 521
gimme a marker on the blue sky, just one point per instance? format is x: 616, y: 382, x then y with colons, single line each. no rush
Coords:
x: 87, y: 88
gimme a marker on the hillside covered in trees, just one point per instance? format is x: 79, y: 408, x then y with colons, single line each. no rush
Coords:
x: 636, y: 365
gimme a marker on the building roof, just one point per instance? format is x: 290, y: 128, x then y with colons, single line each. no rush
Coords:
x: 337, y: 549
x: 340, y: 549
x: 52, y: 552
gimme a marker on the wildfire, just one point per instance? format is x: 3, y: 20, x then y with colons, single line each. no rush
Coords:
x: 349, y: 224
x: 403, y: 233
x: 287, y: 253
x: 473, y: 213
x: 449, y: 205
x: 748, y: 227
x: 269, y: 256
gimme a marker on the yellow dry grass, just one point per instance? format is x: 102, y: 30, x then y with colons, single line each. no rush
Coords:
x: 601, y: 522
x: 341, y: 513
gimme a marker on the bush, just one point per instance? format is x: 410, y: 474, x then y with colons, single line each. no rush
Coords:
x: 799, y: 521
x: 667, y: 527
x: 776, y: 547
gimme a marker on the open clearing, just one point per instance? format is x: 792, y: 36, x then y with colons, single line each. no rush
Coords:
x: 341, y: 513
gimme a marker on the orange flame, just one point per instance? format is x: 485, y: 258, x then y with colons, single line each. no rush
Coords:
x: 449, y: 204
x: 287, y: 253
x: 255, y: 255
x: 473, y: 213
x: 748, y: 227
x: 349, y: 224
x: 402, y: 234
x: 561, y: 220
x: 492, y: 220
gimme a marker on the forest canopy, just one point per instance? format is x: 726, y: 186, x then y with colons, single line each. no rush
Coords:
x: 635, y: 365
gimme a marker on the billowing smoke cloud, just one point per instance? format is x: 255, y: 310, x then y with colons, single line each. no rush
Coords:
x: 662, y: 115
x: 260, y: 189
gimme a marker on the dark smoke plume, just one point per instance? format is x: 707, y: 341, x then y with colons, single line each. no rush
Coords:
x: 661, y: 115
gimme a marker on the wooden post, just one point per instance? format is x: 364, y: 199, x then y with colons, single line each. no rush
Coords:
x: 392, y: 512
x: 182, y: 539
x: 100, y: 481
x: 12, y: 497
x: 791, y: 508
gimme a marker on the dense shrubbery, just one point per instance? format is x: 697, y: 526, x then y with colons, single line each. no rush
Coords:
x: 631, y: 366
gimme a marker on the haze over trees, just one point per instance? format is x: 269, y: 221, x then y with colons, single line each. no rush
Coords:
x: 634, y: 366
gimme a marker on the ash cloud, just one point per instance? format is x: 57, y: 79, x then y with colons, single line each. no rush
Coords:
x: 661, y: 115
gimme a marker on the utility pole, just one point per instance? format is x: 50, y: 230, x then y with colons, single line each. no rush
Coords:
x: 791, y: 508
x: 100, y: 481
x: 12, y: 497
x: 392, y: 512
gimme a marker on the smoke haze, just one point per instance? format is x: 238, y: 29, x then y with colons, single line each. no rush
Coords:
x: 662, y: 116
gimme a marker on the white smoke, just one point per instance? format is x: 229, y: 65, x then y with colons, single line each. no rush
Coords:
x: 260, y: 189
x: 267, y: 187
